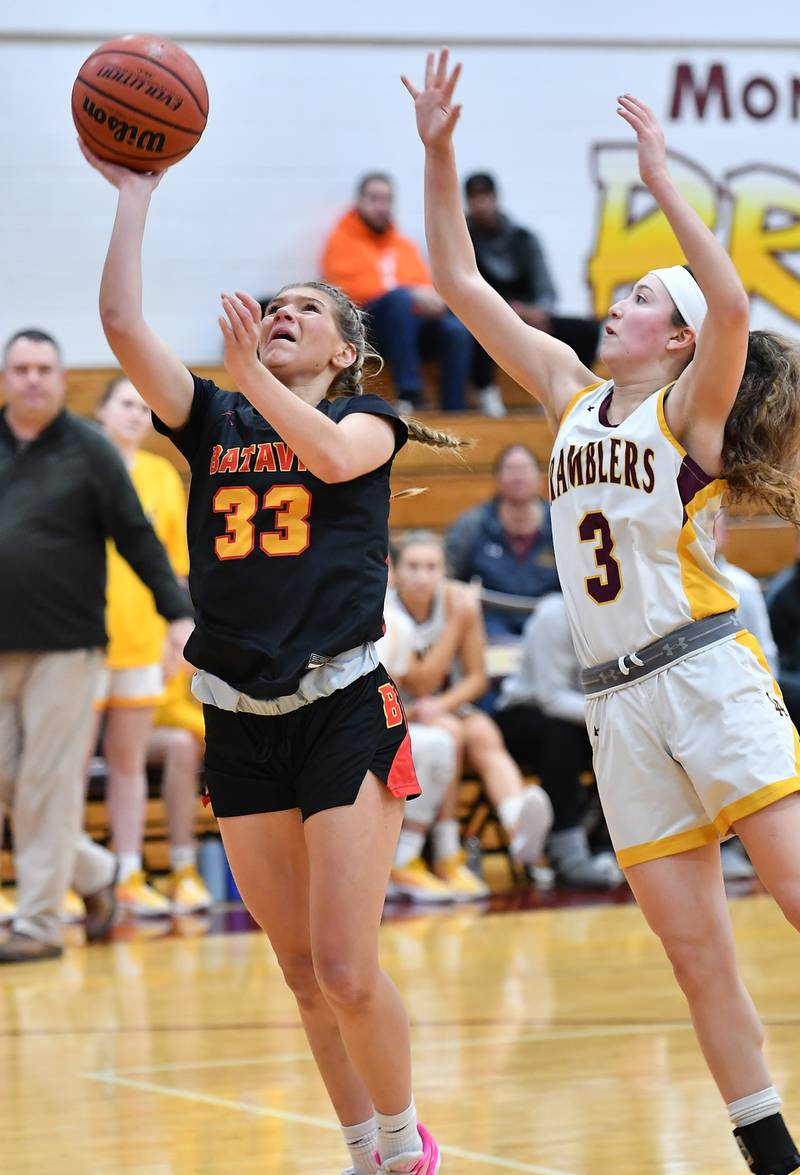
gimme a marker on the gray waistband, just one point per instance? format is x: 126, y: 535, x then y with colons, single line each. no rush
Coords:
x: 677, y: 646
x: 320, y: 682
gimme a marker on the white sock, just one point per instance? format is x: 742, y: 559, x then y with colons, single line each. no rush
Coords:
x: 509, y: 809
x: 747, y: 1110
x: 181, y: 856
x: 398, y: 1134
x: 446, y: 839
x: 129, y: 863
x: 362, y: 1142
x: 409, y: 847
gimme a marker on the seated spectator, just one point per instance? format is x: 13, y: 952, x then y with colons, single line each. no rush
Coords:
x: 385, y: 273
x: 541, y: 716
x: 507, y: 542
x: 438, y: 767
x: 141, y: 652
x: 736, y: 864
x: 783, y: 605
x: 444, y: 678
x: 176, y: 744
x: 512, y: 261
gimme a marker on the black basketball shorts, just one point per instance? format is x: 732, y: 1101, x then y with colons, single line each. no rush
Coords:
x: 313, y: 758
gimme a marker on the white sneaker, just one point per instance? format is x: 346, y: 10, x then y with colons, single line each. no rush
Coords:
x: 491, y: 402
x: 535, y: 820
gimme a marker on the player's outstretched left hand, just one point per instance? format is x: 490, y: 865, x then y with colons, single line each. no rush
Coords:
x: 241, y: 329
x: 649, y: 138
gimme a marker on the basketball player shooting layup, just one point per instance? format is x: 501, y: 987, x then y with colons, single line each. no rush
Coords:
x: 691, y: 739
x: 307, y: 753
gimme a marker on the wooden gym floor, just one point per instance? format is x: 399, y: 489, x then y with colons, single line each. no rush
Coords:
x: 548, y: 1041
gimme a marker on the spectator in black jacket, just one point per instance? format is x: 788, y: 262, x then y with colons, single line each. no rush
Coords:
x: 512, y: 261
x: 783, y: 605
x: 63, y: 491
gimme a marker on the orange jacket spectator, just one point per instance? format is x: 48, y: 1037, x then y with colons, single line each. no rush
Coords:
x: 366, y: 264
x: 384, y: 273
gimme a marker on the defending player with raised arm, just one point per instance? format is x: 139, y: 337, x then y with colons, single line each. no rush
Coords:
x: 690, y: 738
x: 307, y: 755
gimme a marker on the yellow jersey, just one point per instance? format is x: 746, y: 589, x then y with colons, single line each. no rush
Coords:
x: 180, y: 708
x: 135, y: 630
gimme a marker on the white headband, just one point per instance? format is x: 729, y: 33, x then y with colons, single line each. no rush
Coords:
x: 685, y: 293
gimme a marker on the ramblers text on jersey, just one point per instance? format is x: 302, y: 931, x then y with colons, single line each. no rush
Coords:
x: 613, y: 462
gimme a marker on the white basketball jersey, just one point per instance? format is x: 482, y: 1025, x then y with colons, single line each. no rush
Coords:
x: 633, y: 519
x: 423, y: 633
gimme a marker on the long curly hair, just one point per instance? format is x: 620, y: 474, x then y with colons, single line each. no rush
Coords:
x: 761, y: 444
x: 761, y: 448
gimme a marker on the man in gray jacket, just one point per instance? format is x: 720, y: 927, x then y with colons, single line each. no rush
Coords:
x: 63, y: 492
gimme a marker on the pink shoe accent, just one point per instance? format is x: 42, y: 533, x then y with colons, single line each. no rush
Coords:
x: 425, y: 1164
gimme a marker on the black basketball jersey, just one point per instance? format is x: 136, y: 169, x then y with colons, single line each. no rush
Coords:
x: 284, y: 568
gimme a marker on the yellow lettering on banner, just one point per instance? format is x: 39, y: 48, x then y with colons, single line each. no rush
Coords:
x: 765, y: 199
x: 627, y: 243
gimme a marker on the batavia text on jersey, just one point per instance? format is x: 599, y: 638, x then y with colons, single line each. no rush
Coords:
x: 272, y: 457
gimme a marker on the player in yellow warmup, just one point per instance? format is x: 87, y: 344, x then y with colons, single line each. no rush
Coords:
x: 142, y: 650
x: 176, y: 742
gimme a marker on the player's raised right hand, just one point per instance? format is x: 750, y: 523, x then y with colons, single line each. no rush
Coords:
x: 649, y: 138
x: 436, y: 114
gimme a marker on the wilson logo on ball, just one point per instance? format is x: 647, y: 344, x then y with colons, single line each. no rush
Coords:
x: 125, y: 131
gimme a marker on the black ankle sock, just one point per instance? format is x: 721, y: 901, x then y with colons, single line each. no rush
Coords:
x: 767, y: 1147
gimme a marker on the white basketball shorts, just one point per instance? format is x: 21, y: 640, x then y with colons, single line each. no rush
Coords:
x: 683, y: 755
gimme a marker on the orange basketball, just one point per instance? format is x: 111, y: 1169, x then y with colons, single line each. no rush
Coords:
x: 141, y: 102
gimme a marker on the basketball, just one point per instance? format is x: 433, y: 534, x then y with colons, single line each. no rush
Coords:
x: 141, y: 102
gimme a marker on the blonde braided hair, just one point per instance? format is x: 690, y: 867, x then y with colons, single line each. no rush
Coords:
x: 351, y: 321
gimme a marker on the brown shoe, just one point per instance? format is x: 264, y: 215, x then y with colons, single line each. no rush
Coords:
x: 22, y: 948
x: 101, y: 907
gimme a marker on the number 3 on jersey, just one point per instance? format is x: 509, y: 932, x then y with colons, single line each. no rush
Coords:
x: 292, y: 506
x: 594, y: 528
